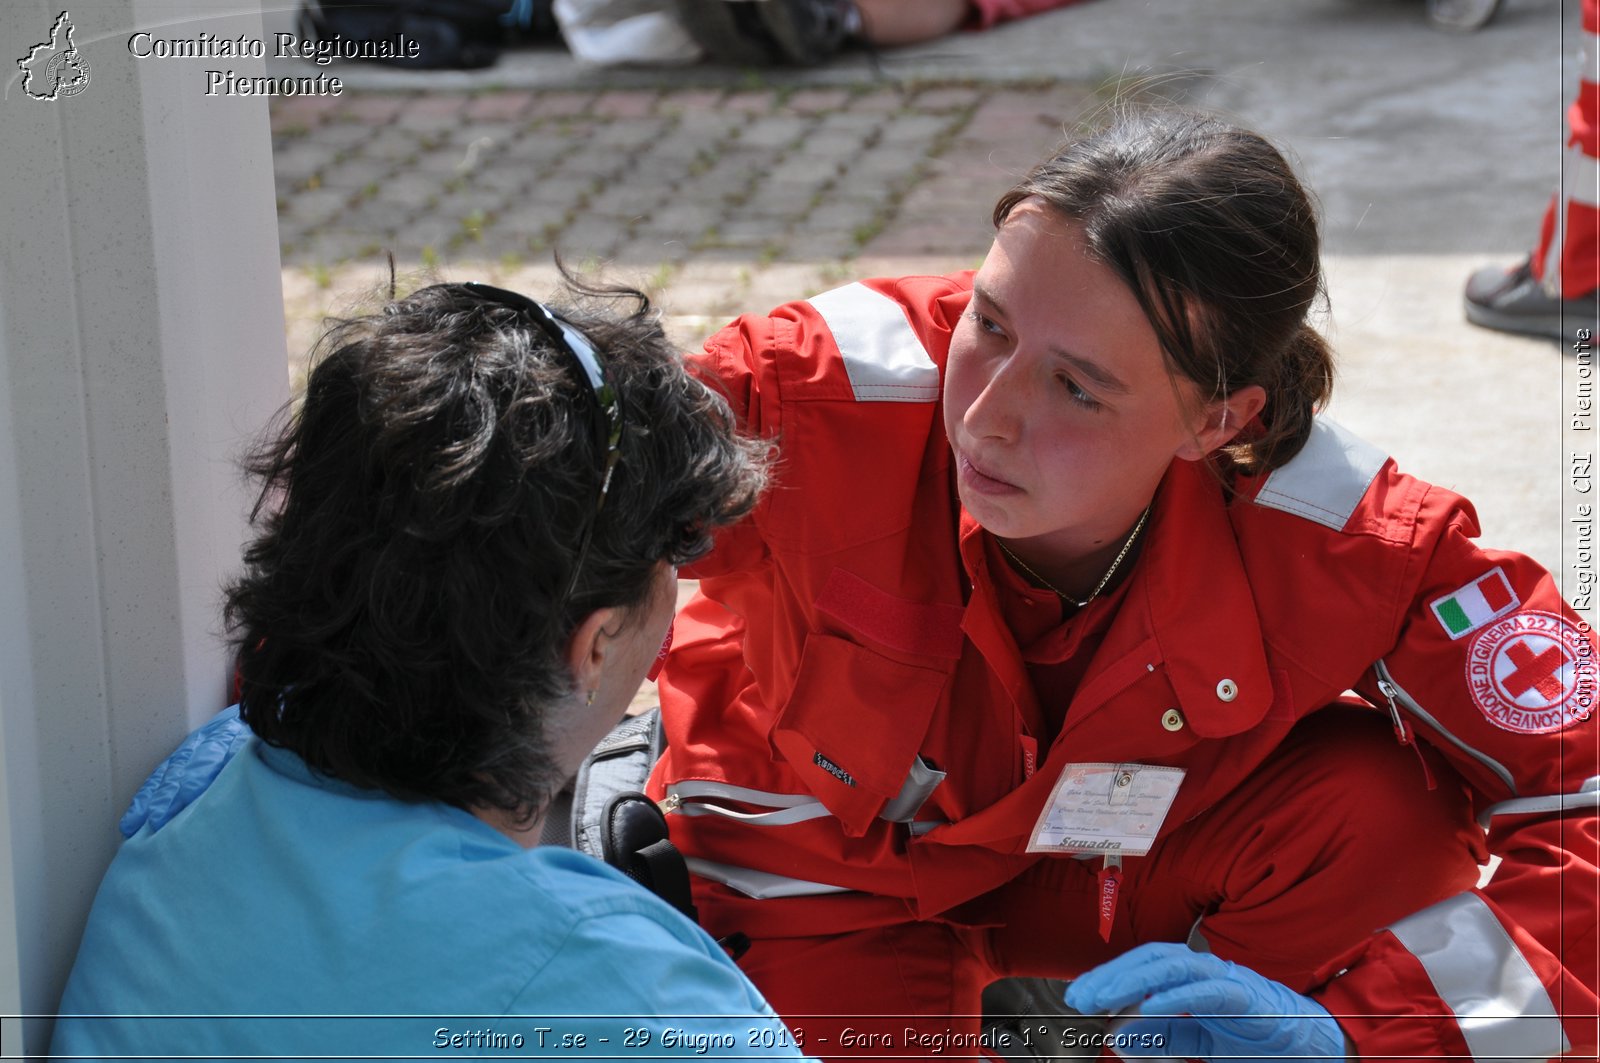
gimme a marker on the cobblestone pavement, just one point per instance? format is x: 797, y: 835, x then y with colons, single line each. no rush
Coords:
x: 712, y: 200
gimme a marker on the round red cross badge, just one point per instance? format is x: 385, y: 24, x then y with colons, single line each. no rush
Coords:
x: 1532, y: 673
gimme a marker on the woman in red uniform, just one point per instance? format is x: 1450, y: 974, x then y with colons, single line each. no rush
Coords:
x: 1037, y: 654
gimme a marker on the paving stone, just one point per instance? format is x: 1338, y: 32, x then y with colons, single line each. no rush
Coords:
x: 879, y: 102
x: 629, y: 135
x: 559, y: 104
x: 355, y: 174
x: 428, y: 123
x: 861, y: 125
x: 535, y: 149
x: 817, y: 101
x: 564, y: 188
x: 309, y: 111
x: 773, y: 131
x: 649, y: 252
x: 329, y: 247
x: 589, y: 236
x: 626, y: 103
x: 915, y: 129
x: 947, y: 99
x: 408, y: 189
x: 710, y: 126
x: 434, y: 105
x: 686, y: 102
x: 757, y: 101
x: 921, y: 236
x: 372, y: 108
x: 458, y: 206
x: 809, y: 245
x: 780, y: 283
x: 502, y: 175
x: 841, y: 214
x: 431, y: 230
x: 831, y: 145
x: 318, y: 203
x: 681, y: 220
x: 302, y: 157
x: 499, y: 106
x: 623, y: 199
x: 379, y: 220
x: 882, y: 165
x: 532, y: 219
x: 392, y: 144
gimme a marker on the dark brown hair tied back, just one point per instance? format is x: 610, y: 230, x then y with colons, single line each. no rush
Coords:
x: 1215, y: 236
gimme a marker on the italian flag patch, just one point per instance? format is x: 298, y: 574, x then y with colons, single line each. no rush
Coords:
x: 1486, y: 598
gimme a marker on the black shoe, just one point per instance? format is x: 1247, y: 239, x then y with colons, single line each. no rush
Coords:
x: 770, y: 32
x: 1512, y: 301
x: 810, y: 31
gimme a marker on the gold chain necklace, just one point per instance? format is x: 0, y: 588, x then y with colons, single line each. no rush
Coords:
x: 1098, y: 587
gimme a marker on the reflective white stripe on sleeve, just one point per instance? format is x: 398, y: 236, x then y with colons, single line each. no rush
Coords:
x: 1499, y: 1003
x: 1326, y: 480
x: 1587, y: 797
x: 761, y: 885
x: 1580, y: 177
x: 790, y: 808
x: 882, y: 355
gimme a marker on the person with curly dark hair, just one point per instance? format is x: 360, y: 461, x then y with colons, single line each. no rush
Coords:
x: 464, y: 565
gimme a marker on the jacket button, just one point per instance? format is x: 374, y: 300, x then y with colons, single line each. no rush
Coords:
x: 1227, y: 690
x: 1172, y: 720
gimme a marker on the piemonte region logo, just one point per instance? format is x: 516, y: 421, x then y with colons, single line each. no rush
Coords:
x: 55, y: 68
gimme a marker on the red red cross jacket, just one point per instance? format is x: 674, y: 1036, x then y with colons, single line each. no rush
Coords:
x: 846, y: 641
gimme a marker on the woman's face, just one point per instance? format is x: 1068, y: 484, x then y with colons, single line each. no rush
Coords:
x: 1057, y: 400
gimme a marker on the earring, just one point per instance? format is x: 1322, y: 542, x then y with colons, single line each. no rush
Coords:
x: 590, y: 699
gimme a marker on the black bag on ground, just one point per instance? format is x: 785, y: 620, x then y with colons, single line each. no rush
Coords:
x: 449, y: 34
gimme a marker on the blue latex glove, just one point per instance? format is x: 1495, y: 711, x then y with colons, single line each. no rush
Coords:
x: 1194, y: 1005
x: 186, y: 773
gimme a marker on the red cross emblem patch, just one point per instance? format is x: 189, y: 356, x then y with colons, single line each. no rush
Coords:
x: 1532, y: 673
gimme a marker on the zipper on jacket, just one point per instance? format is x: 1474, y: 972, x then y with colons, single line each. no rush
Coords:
x: 670, y: 803
x: 1391, y: 694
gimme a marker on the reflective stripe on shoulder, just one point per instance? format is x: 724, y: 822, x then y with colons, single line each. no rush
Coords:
x: 762, y: 885
x: 882, y: 355
x: 1327, y: 479
x: 1586, y: 799
x: 1499, y: 1003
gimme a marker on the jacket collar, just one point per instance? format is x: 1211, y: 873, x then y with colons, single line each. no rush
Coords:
x: 1192, y: 587
x: 1189, y: 596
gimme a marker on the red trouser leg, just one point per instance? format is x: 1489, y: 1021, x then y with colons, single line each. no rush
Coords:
x: 904, y: 990
x: 1567, y: 257
x: 1336, y: 836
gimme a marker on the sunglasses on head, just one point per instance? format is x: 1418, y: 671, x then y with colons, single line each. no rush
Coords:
x: 606, y: 407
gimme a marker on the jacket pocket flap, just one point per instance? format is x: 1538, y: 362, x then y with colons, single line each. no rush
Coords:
x: 853, y: 724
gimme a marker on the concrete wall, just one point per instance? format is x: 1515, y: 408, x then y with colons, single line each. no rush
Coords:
x: 141, y: 344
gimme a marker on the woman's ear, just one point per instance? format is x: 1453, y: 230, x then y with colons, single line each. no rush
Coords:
x: 1223, y: 420
x: 586, y: 652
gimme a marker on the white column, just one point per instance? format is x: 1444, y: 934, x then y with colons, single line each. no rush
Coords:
x: 141, y: 345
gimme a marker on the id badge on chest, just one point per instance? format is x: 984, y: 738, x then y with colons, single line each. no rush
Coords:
x: 1110, y: 809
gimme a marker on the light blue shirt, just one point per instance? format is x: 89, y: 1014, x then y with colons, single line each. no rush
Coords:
x: 290, y: 914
